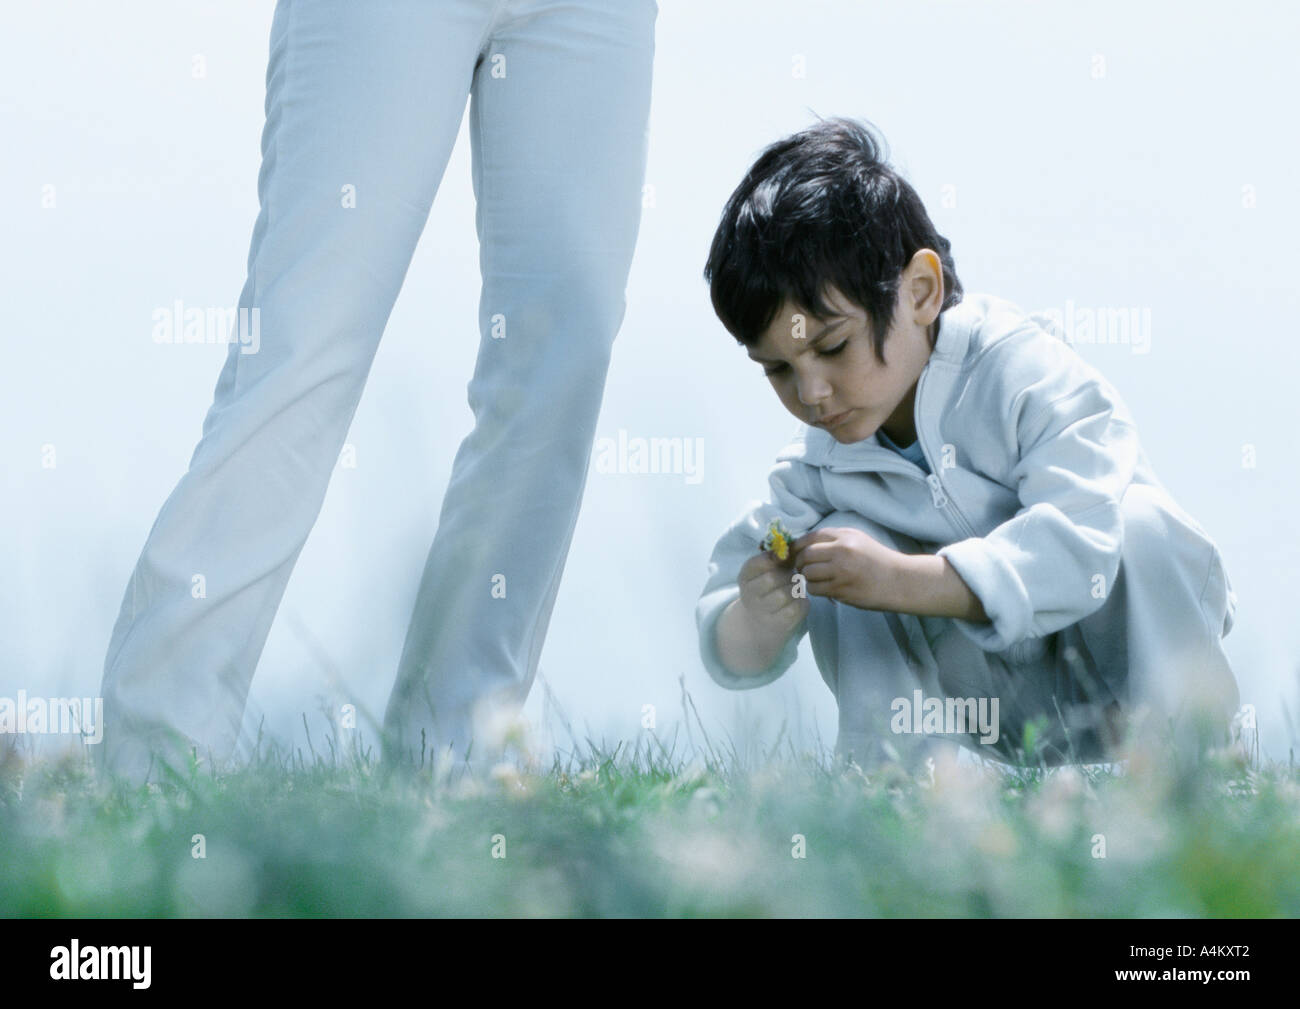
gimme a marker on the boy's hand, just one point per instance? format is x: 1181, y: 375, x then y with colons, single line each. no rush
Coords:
x: 767, y: 593
x: 848, y: 565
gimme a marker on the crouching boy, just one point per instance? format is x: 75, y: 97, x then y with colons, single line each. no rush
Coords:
x: 965, y: 523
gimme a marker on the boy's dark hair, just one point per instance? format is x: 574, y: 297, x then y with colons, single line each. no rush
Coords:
x: 820, y: 207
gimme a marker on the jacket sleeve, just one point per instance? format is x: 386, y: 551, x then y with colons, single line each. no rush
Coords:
x: 796, y: 500
x: 1076, y: 447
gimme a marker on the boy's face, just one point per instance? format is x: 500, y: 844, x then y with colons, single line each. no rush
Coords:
x: 830, y: 376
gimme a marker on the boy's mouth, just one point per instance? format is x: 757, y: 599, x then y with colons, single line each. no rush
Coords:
x: 833, y: 420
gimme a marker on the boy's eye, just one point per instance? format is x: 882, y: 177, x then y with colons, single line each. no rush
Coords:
x: 777, y: 369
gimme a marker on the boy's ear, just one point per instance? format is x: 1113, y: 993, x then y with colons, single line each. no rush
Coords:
x: 926, y: 270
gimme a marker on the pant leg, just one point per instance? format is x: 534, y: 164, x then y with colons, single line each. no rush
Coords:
x: 1163, y: 624
x: 1071, y: 708
x: 559, y: 114
x: 869, y: 658
x: 1151, y: 652
x: 872, y: 658
x: 363, y: 104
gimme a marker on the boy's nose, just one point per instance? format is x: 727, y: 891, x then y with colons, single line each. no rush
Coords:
x: 814, y: 393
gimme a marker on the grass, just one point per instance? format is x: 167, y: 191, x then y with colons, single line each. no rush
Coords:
x: 641, y: 830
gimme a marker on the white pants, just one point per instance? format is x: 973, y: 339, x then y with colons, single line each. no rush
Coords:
x: 1154, y: 644
x: 363, y: 105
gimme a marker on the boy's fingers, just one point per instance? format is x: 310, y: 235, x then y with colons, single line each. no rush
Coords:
x: 809, y: 552
x: 770, y: 592
x: 818, y: 572
x: 779, y: 590
x: 756, y: 567
x: 770, y: 567
x: 772, y: 583
x: 753, y: 571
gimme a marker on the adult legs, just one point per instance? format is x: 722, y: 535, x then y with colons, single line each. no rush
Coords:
x: 559, y: 114
x: 363, y: 103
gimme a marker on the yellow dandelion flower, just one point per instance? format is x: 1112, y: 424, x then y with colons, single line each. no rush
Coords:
x: 778, y: 540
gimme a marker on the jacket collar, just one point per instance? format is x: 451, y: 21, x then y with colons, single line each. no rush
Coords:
x: 956, y: 327
x: 818, y: 447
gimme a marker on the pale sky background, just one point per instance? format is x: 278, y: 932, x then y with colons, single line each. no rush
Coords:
x: 1101, y: 154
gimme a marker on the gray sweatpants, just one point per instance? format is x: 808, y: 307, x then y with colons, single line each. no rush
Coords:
x: 1153, y: 649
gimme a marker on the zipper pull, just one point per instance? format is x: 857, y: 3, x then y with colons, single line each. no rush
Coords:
x: 936, y: 491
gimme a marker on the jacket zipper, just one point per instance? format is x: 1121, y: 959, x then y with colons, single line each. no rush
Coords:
x: 891, y: 462
x: 895, y: 464
x: 937, y: 493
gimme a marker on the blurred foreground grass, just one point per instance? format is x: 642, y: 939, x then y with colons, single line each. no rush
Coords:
x: 639, y: 832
